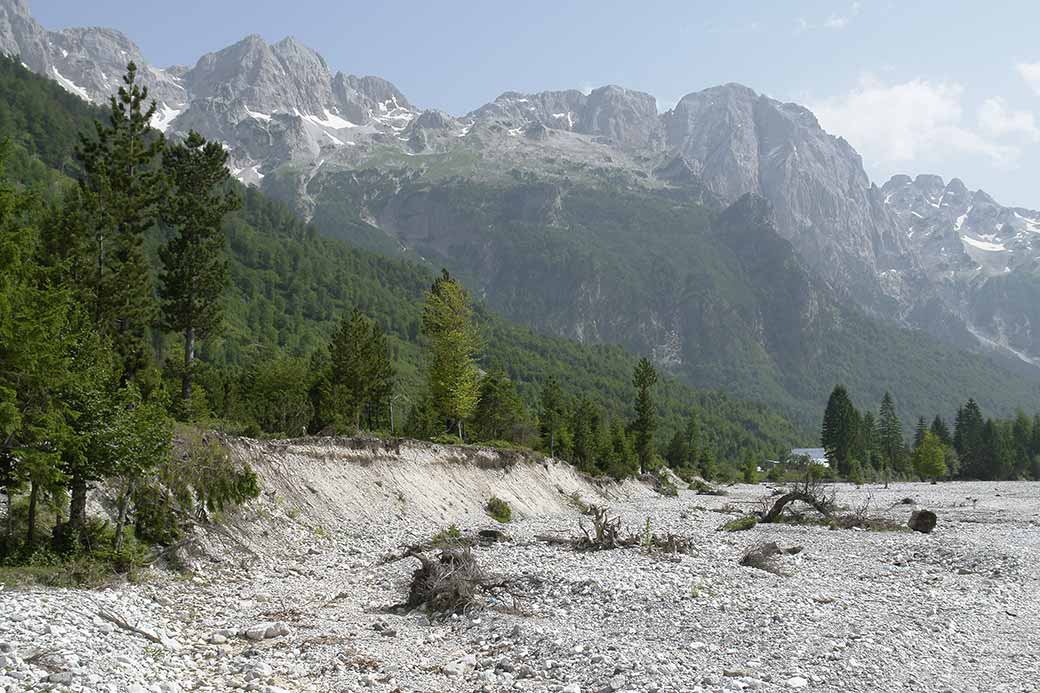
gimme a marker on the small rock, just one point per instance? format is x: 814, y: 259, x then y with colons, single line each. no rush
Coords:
x: 797, y: 682
x: 922, y: 521
x: 264, y: 631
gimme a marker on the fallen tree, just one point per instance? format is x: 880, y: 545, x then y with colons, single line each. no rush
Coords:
x: 810, y: 491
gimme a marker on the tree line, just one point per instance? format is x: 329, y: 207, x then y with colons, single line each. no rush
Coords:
x: 862, y: 444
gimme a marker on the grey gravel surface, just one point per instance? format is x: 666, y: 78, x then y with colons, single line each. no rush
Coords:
x: 956, y: 610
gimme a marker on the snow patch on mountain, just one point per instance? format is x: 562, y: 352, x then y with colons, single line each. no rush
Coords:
x: 164, y: 116
x: 983, y: 245
x: 69, y: 85
x: 330, y: 120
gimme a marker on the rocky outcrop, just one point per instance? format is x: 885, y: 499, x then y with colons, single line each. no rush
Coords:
x: 88, y: 62
x: 737, y: 141
x: 23, y: 37
x: 618, y: 116
x: 982, y: 254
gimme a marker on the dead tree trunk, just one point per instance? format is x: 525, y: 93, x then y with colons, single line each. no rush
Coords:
x: 124, y: 506
x: 34, y: 496
x: 820, y: 505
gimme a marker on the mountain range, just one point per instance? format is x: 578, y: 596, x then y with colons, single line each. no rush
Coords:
x: 730, y: 236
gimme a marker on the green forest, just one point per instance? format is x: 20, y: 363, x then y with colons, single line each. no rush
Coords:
x: 872, y: 446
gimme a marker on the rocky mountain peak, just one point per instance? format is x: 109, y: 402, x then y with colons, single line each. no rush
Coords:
x: 626, y: 117
x: 22, y: 36
x: 738, y: 141
x: 616, y: 115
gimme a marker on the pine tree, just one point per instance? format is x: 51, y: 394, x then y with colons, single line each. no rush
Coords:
x: 121, y: 190
x: 381, y: 378
x: 35, y: 363
x: 868, y: 436
x: 941, y: 430
x: 552, y: 414
x: 708, y: 468
x: 678, y: 450
x: 623, y: 460
x: 994, y: 457
x: 195, y: 270
x: 447, y: 323
x: 645, y: 424
x: 967, y: 440
x: 500, y: 414
x: 749, y: 470
x: 684, y: 448
x: 1021, y: 435
x: 919, y: 431
x: 360, y: 379
x: 890, y: 437
x: 838, y: 433
x: 591, y: 436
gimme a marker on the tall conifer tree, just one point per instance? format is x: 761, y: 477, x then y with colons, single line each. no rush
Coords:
x: 194, y: 271
x: 121, y: 190
x: 644, y: 379
x: 838, y: 435
x: 890, y: 437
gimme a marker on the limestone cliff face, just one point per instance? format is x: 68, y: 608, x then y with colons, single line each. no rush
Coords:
x: 740, y: 142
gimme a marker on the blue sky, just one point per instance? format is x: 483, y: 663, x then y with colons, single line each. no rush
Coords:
x: 940, y: 87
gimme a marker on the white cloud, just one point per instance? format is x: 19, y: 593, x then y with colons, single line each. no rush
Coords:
x: 996, y: 119
x: 834, y: 21
x: 910, y: 121
x: 1030, y: 72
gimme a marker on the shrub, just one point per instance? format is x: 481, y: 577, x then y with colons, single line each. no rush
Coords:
x: 740, y: 524
x: 449, y: 536
x: 499, y: 509
x: 856, y: 473
x: 727, y: 475
x: 663, y: 484
x: 705, y: 489
x: 576, y: 501
x: 203, y: 480
x: 766, y: 557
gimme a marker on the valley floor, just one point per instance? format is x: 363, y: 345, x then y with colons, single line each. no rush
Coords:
x: 957, y: 610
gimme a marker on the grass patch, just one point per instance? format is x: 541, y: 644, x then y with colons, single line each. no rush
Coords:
x: 739, y: 524
x: 869, y: 524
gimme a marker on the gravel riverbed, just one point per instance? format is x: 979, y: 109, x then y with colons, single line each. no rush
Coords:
x: 956, y: 610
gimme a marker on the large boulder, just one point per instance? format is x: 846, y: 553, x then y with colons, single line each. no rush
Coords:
x: 922, y: 521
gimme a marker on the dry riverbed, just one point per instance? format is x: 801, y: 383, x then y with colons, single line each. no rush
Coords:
x: 303, y: 607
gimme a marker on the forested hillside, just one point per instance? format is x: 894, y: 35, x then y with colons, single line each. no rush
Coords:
x: 290, y: 286
x: 717, y: 297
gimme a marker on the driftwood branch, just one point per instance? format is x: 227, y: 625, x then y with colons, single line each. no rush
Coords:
x: 121, y: 622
